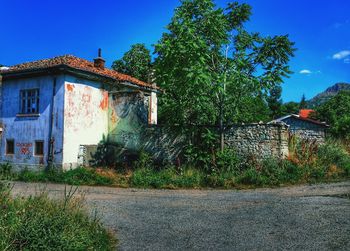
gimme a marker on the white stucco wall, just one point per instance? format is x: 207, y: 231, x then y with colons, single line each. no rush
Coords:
x: 85, y: 117
x: 154, y: 109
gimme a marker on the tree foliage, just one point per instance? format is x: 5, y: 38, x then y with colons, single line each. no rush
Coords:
x: 274, y: 101
x: 336, y: 112
x: 211, y: 68
x: 136, y: 62
x: 303, y: 103
x: 290, y: 108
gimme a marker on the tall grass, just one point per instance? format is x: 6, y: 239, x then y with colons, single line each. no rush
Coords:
x: 39, y: 223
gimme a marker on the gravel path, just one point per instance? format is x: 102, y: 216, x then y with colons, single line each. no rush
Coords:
x: 315, y: 217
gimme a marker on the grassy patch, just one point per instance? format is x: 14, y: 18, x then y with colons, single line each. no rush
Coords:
x: 167, y: 178
x: 78, y: 176
x: 39, y: 223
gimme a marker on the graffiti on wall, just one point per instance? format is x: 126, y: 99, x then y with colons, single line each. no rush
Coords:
x: 24, y: 151
x: 24, y: 148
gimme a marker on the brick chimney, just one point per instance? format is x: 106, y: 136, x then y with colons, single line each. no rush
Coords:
x: 99, y: 62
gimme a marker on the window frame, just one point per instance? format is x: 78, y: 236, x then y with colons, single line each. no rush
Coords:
x: 29, y: 97
x: 36, y: 148
x: 7, y: 148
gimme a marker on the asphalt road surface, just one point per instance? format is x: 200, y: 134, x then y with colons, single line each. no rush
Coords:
x: 310, y: 217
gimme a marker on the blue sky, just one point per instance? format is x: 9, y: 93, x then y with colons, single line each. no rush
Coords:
x: 32, y: 30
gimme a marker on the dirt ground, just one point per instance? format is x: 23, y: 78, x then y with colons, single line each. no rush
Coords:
x: 309, y: 217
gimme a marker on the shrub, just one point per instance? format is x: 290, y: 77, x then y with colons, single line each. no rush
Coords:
x: 167, y: 178
x: 251, y: 176
x: 144, y: 161
x: 228, y: 161
x: 302, y: 151
x: 223, y: 179
x: 333, y: 155
x: 39, y: 223
x: 85, y: 176
x: 27, y: 175
x: 292, y: 172
x: 147, y: 177
x: 271, y: 172
x: 6, y: 171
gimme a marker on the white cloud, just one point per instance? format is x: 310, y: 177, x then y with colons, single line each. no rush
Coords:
x: 305, y: 71
x: 347, y: 61
x: 341, y: 55
x: 338, y: 25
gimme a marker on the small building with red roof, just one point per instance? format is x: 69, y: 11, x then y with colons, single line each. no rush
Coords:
x: 303, y: 126
x: 52, y: 110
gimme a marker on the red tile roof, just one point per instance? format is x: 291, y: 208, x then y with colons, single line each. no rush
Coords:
x: 77, y: 63
x: 305, y: 113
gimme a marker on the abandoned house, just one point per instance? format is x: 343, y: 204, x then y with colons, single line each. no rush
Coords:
x: 303, y: 126
x: 51, y: 108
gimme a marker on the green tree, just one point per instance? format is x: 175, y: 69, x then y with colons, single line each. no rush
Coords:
x: 336, y: 112
x: 274, y: 101
x: 253, y: 109
x: 303, y: 103
x: 136, y: 62
x: 290, y: 108
x: 209, y: 65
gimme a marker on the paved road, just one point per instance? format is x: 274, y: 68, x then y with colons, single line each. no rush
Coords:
x: 313, y: 217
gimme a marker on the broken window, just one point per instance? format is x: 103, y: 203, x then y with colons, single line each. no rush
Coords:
x: 10, y: 146
x: 29, y: 101
x: 39, y: 148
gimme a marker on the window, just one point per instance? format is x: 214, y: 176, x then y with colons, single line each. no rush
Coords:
x: 29, y: 101
x: 39, y: 148
x: 10, y: 146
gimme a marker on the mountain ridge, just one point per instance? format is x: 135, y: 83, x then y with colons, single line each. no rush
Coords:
x: 328, y: 94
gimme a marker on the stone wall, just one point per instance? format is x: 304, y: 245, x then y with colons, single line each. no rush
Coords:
x: 260, y: 140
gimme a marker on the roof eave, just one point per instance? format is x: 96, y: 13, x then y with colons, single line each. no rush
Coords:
x: 68, y: 69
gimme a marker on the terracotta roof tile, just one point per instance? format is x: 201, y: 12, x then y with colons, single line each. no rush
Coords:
x: 305, y: 113
x: 80, y: 64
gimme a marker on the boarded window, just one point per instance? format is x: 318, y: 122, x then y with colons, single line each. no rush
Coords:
x: 39, y: 148
x: 10, y: 146
x: 29, y: 101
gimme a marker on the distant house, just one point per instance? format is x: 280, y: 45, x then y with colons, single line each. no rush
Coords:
x: 303, y: 126
x: 52, y: 108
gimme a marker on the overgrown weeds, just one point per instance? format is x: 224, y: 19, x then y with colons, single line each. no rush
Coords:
x: 39, y: 223
x: 308, y: 162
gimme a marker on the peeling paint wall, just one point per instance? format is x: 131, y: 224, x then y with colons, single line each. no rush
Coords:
x: 25, y: 130
x: 85, y: 117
